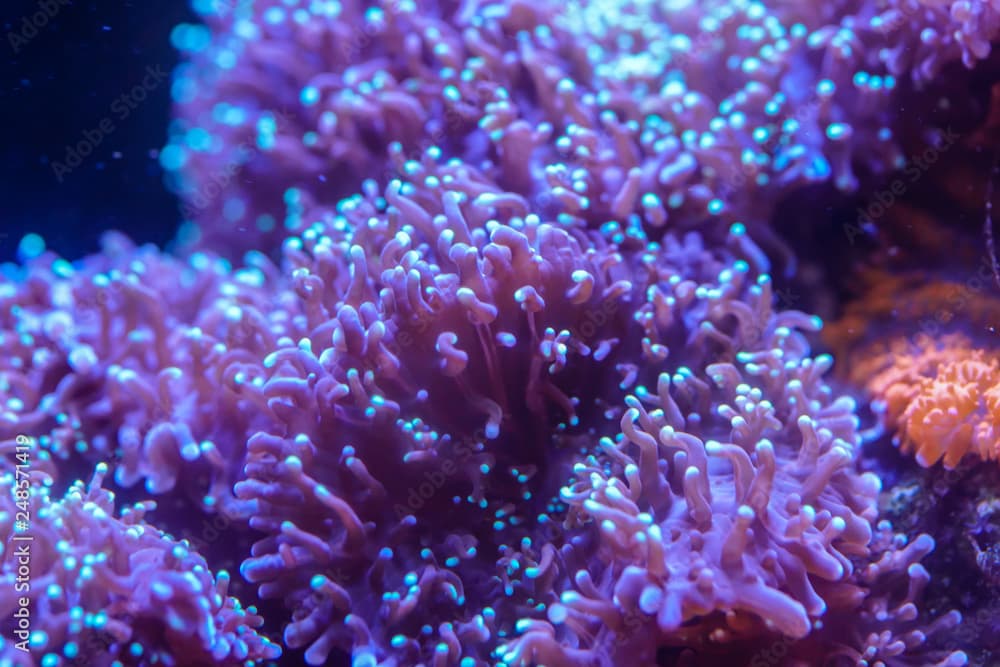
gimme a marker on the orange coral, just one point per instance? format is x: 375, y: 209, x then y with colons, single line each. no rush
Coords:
x: 910, y: 302
x: 943, y: 397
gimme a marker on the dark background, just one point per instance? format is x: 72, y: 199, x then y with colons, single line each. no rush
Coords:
x: 62, y: 83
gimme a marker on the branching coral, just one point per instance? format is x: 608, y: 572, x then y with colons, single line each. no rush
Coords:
x: 111, y: 591
x: 137, y: 357
x: 887, y: 629
x: 755, y: 539
x: 941, y: 396
x: 634, y: 112
x: 407, y: 532
x: 518, y: 394
x: 927, y: 34
x: 376, y: 486
x: 715, y: 521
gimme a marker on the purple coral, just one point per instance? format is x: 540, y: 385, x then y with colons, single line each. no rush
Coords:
x: 888, y: 628
x: 374, y: 484
x: 742, y: 511
x: 628, y: 114
x: 923, y: 36
x: 747, y: 508
x: 113, y: 590
x: 518, y: 394
x: 109, y: 358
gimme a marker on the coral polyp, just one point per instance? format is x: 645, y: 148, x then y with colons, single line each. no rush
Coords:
x: 457, y: 522
x: 621, y: 112
x: 941, y: 397
x: 113, y: 590
x: 471, y: 351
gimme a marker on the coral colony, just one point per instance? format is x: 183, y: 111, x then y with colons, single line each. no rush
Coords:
x: 468, y: 354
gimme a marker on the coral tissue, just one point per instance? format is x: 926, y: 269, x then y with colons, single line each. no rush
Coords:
x: 471, y: 331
